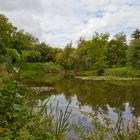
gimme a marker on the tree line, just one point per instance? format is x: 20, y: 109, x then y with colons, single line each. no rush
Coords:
x: 98, y: 53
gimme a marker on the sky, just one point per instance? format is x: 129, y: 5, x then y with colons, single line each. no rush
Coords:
x: 58, y: 22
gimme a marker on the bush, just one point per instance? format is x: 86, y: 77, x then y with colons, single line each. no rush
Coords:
x: 20, y: 121
x: 100, y: 71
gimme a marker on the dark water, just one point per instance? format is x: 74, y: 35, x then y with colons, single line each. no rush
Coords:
x: 109, y: 96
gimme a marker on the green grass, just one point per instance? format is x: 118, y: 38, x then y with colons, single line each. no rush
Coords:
x: 41, y: 72
x: 88, y: 73
x: 83, y: 73
x: 106, y: 78
x: 42, y: 67
x: 123, y: 72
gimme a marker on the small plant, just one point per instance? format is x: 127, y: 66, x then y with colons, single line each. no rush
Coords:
x: 63, y: 124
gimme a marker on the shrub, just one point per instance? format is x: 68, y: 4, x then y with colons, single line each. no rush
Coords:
x: 100, y: 71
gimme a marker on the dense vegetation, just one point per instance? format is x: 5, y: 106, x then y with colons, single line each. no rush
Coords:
x: 97, y: 54
x: 21, y: 55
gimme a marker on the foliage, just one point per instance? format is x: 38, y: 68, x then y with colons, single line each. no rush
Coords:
x: 94, y: 54
x: 18, y: 120
x: 47, y: 53
x: 22, y: 56
x: 13, y: 113
x: 91, y: 53
x: 134, y: 54
x: 117, y: 51
x: 100, y: 71
x: 39, y: 67
x: 65, y: 58
x: 23, y: 41
x: 136, y: 34
x: 7, y: 31
x: 34, y: 72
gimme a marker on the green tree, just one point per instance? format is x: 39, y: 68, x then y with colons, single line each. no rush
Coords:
x: 7, y: 31
x: 91, y: 53
x: 117, y: 51
x: 47, y: 53
x: 121, y: 37
x: 134, y: 53
x: 23, y: 41
x: 136, y: 34
x: 60, y: 58
x: 81, y: 54
x: 64, y: 57
x: 67, y: 56
x: 98, y: 49
x: 31, y: 56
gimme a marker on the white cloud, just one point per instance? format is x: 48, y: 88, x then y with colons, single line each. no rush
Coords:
x: 58, y: 22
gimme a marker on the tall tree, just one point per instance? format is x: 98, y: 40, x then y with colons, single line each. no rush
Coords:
x: 99, y: 48
x: 134, y: 53
x: 64, y: 58
x: 92, y: 52
x: 120, y: 37
x: 7, y: 31
x: 117, y: 51
x: 23, y: 41
x: 82, y: 53
x: 136, y: 34
x: 47, y: 53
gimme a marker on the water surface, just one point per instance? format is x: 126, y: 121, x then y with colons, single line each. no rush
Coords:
x: 90, y: 96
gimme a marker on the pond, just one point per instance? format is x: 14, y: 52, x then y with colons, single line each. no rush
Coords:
x: 90, y: 96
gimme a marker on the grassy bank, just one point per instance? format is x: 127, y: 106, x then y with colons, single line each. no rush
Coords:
x: 50, y: 72
x: 81, y: 73
x: 42, y: 67
x: 105, y: 78
x: 41, y: 72
x: 123, y: 73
